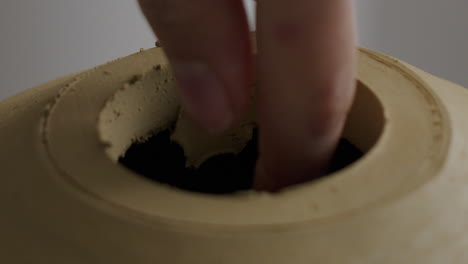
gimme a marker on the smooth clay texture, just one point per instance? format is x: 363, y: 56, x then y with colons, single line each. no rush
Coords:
x: 66, y: 199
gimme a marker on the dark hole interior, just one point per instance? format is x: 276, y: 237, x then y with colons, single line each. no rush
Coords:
x: 163, y: 160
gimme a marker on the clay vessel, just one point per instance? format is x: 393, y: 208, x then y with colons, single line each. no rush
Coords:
x: 65, y: 199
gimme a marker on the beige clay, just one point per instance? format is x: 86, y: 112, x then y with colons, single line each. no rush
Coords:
x: 64, y: 199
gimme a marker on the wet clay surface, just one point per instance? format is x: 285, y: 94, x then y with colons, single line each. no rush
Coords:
x: 163, y: 160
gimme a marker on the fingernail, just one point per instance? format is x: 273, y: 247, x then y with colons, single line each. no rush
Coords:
x: 204, y: 96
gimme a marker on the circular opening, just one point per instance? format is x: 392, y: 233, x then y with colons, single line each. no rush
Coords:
x: 145, y: 131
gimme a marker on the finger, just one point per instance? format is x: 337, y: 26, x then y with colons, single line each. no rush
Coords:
x: 306, y: 54
x: 207, y: 43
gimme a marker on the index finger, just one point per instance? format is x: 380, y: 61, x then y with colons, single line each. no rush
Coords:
x: 306, y: 57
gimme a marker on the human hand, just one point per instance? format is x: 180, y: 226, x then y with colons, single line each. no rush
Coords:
x: 304, y: 66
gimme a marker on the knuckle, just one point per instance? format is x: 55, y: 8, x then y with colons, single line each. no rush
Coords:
x: 328, y: 115
x: 332, y: 111
x: 335, y: 99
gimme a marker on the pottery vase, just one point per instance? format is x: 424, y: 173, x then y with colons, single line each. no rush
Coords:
x: 65, y: 198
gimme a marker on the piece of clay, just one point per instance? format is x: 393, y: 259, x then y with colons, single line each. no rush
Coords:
x: 66, y: 199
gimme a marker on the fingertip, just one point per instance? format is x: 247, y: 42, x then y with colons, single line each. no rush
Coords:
x: 204, y: 96
x: 262, y: 182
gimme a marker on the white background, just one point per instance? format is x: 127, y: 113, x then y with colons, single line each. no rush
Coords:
x: 45, y: 39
